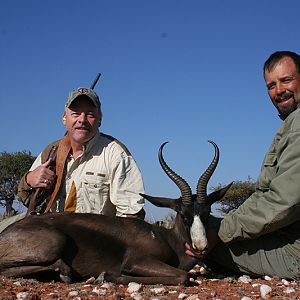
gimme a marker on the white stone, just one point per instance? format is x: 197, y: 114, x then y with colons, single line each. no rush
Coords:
x: 289, y: 290
x: 246, y: 298
x: 73, y: 293
x: 268, y: 278
x: 182, y: 296
x: 158, y: 290
x: 285, y: 282
x: 245, y: 279
x: 136, y: 296
x: 90, y: 280
x: 265, y: 291
x: 99, y: 292
x: 133, y: 287
x: 106, y: 285
x: 193, y: 297
x: 22, y: 295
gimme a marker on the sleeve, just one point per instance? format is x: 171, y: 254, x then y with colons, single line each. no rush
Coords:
x: 25, y: 190
x: 125, y: 185
x: 279, y: 206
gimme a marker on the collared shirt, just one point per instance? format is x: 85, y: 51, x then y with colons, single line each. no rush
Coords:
x: 106, y: 177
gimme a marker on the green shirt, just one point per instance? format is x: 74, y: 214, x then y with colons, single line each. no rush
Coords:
x: 275, y: 205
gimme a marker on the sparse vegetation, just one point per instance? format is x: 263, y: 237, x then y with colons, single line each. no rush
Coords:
x: 12, y: 167
x: 236, y: 195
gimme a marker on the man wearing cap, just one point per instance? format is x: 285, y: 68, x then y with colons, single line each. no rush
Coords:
x: 94, y: 173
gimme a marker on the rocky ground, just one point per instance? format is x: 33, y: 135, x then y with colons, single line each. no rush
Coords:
x: 204, y: 287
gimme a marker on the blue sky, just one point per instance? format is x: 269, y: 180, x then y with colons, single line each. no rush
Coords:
x: 177, y: 71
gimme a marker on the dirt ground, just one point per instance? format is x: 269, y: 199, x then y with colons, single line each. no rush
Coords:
x: 208, y: 287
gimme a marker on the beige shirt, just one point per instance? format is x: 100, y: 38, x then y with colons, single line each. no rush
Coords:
x: 106, y: 177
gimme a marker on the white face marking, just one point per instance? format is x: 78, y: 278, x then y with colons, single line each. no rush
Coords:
x: 198, y: 234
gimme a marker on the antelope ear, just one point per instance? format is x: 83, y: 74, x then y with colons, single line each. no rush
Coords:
x: 219, y: 194
x: 161, y: 201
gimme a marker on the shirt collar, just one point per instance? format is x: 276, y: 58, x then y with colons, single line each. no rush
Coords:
x: 90, y: 144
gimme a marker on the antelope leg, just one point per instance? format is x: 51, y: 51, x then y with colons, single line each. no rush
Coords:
x: 148, y: 270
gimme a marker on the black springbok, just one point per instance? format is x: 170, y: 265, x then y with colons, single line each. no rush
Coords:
x: 77, y: 246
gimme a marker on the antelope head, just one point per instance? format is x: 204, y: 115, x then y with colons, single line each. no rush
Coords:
x: 194, y: 209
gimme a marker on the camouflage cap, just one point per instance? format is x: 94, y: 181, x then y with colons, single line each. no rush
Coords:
x: 82, y: 91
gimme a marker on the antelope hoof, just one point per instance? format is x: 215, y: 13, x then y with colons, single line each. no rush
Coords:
x: 65, y: 278
x: 100, y: 278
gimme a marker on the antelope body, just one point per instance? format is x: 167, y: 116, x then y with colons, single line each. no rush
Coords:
x: 78, y: 246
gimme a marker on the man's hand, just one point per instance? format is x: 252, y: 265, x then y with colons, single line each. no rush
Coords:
x: 41, y: 177
x: 192, y: 252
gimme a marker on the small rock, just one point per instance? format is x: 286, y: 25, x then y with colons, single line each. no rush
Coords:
x: 193, y: 297
x: 73, y: 293
x: 182, y: 296
x: 198, y: 281
x: 22, y: 295
x: 229, y: 279
x: 285, y: 282
x: 195, y: 269
x: 107, y: 285
x: 289, y: 290
x: 246, y: 298
x: 133, y: 287
x: 17, y: 283
x: 213, y: 294
x: 90, y: 280
x: 268, y: 278
x: 265, y: 291
x: 159, y: 290
x: 99, y: 292
x: 245, y: 279
x: 86, y: 287
x: 136, y: 296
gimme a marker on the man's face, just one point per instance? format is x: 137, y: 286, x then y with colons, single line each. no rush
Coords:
x: 82, y: 120
x: 283, y: 84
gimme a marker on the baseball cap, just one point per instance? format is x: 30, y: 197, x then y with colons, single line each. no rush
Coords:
x: 82, y: 91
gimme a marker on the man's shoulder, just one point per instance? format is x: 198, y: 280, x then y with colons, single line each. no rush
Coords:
x: 112, y: 139
x: 292, y: 122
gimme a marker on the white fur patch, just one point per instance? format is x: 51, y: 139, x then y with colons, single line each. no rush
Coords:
x: 153, y: 236
x: 198, y: 234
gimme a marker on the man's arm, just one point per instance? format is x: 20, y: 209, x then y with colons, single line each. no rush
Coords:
x: 126, y: 185
x: 279, y: 206
x: 24, y: 188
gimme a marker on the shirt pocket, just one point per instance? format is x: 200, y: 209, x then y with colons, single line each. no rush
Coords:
x: 268, y: 171
x: 94, y: 193
x: 270, y: 160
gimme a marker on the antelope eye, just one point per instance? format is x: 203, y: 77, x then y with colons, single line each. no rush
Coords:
x: 187, y: 220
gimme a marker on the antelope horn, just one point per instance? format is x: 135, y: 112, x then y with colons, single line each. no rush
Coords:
x: 203, y: 180
x: 186, y: 192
